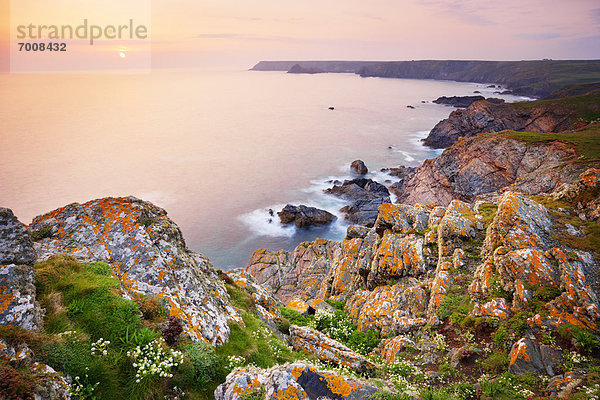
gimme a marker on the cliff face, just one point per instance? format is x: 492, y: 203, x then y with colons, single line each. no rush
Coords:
x: 487, y: 163
x: 147, y: 253
x: 483, y: 116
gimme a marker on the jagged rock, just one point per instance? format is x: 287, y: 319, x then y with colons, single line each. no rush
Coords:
x: 363, y: 212
x: 303, y: 216
x: 326, y: 349
x: 15, y: 243
x: 454, y: 228
x: 402, y: 218
x: 562, y: 385
x: 147, y: 252
x: 301, y: 306
x: 296, y: 381
x: 495, y: 308
x: 391, y: 349
x: 17, y: 290
x: 486, y: 116
x: 359, y: 189
x: 485, y: 165
x: 465, y: 101
x: 397, y: 308
x: 320, y: 305
x: 396, y: 256
x: 267, y: 306
x: 585, y: 191
x: 527, y: 355
x: 400, y: 172
x: 359, y: 167
x: 439, y: 289
x: 519, y: 249
x: 356, y: 232
x: 296, y: 274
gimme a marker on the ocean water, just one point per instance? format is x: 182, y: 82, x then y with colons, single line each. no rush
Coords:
x: 216, y: 149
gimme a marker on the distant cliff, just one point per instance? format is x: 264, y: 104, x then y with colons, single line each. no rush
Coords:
x: 537, y: 78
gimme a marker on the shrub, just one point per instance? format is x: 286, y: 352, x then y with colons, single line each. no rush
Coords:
x: 173, y: 330
x: 254, y: 394
x: 295, y: 317
x: 455, y: 306
x: 151, y: 308
x: 45, y: 231
x: 496, y: 362
x: 579, y: 336
x: 15, y: 385
x: 204, y: 360
x: 364, y: 342
x: 385, y: 395
x: 283, y: 325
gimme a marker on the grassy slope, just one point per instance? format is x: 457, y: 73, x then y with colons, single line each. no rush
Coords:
x: 585, y: 141
x: 586, y: 107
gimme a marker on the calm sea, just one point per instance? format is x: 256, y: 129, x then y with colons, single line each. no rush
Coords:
x: 216, y: 149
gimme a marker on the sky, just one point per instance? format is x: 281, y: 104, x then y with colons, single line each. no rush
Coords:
x: 237, y: 34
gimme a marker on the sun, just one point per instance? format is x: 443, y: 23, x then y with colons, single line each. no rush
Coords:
x: 123, y: 52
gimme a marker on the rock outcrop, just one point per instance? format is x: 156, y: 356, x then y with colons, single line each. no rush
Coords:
x: 464, y: 101
x: 296, y: 381
x: 18, y: 305
x: 313, y: 342
x: 366, y: 196
x: 303, y: 216
x: 147, y: 253
x: 527, y: 355
x: 482, y: 165
x: 484, y: 116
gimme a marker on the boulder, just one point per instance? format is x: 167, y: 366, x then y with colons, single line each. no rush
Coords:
x: 527, y: 355
x: 296, y: 381
x: 359, y: 189
x: 267, y: 306
x: 326, y: 349
x: 303, y: 216
x: 363, y: 212
x: 359, y: 167
x: 18, y: 305
x: 147, y: 252
x: 561, y: 386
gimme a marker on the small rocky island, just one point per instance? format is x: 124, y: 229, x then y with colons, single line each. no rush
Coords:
x: 303, y: 216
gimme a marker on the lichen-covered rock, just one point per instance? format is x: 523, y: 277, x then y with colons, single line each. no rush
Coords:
x: 398, y: 308
x: 15, y: 243
x: 439, y: 289
x: 16, y: 356
x: 578, y: 304
x: 296, y: 274
x: 495, y: 308
x: 562, y: 385
x: 397, y: 256
x: 18, y: 305
x: 401, y: 218
x: 147, y: 252
x: 326, y: 349
x: 267, y: 305
x: 17, y: 292
x: 301, y: 306
x: 527, y: 355
x: 296, y: 381
x: 454, y: 228
x: 391, y: 349
x: 356, y: 232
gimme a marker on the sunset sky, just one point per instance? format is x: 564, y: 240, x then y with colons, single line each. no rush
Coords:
x: 234, y: 33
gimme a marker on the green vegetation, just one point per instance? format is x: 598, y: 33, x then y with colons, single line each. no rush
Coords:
x: 584, y: 106
x: 456, y: 307
x: 585, y: 141
x: 45, y: 231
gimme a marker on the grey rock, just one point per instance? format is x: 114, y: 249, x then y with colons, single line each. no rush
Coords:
x: 15, y: 243
x: 303, y: 216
